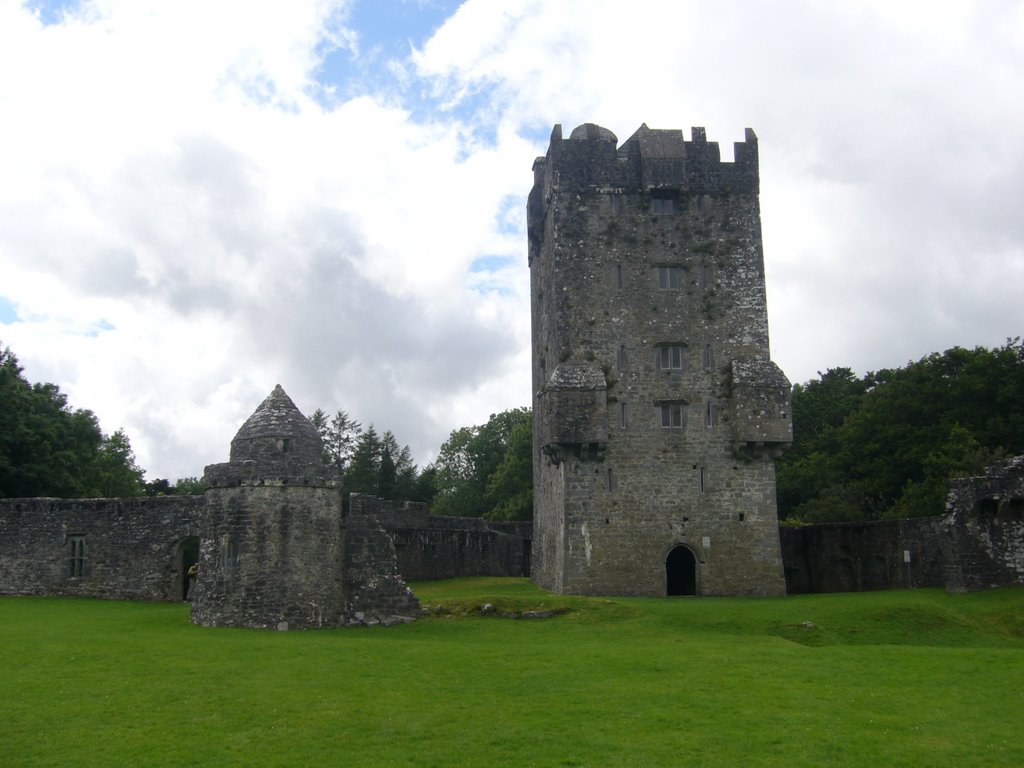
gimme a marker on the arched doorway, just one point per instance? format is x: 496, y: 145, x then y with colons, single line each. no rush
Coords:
x: 186, y: 555
x: 681, y: 572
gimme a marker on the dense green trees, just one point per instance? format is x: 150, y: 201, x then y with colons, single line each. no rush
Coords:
x: 487, y: 470
x: 49, y: 449
x: 368, y: 462
x: 885, y: 445
x: 184, y: 486
x: 482, y: 471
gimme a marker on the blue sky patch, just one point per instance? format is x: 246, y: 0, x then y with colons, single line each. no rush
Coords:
x: 98, y: 328
x: 8, y: 314
x: 388, y: 30
x: 52, y: 11
x: 490, y: 263
x: 390, y: 27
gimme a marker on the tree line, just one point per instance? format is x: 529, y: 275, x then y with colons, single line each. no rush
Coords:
x: 481, y: 471
x: 48, y: 448
x: 886, y: 444
x: 882, y: 445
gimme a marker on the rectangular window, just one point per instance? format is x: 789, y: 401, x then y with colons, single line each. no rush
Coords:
x: 611, y: 481
x: 229, y: 556
x: 76, y: 556
x: 672, y: 415
x: 670, y: 357
x: 619, y: 277
x: 664, y: 202
x: 709, y: 358
x: 711, y: 415
x: 620, y: 359
x: 707, y: 277
x: 703, y: 479
x: 622, y: 415
x: 668, y: 278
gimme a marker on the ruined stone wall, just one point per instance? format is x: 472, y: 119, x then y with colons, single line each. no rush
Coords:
x: 375, y: 589
x: 131, y: 549
x: 134, y: 548
x: 987, y: 518
x: 657, y: 413
x: 977, y: 544
x: 430, y: 547
x: 857, y: 557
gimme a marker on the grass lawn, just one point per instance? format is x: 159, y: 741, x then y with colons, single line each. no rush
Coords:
x: 916, y: 678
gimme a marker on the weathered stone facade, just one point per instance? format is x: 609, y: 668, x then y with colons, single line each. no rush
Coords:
x: 141, y: 548
x: 432, y: 547
x: 277, y: 551
x: 657, y: 411
x: 859, y: 557
x: 131, y: 549
x: 987, y: 524
x: 977, y: 544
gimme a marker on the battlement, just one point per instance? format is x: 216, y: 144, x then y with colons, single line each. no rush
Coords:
x: 649, y: 159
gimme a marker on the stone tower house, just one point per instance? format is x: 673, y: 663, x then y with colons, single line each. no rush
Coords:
x: 658, y: 414
x: 276, y: 550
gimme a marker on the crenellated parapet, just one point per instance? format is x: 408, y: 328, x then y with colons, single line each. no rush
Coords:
x: 651, y: 162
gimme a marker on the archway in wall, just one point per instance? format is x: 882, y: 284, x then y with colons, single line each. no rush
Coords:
x: 681, y: 572
x: 186, y: 555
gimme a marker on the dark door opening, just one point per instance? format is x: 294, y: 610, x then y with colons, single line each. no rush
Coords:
x: 188, y: 555
x: 681, y: 572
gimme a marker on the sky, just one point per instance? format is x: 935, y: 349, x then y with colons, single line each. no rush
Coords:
x: 200, y: 200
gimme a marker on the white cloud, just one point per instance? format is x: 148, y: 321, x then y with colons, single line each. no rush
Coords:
x: 183, y: 226
x: 185, y: 220
x: 888, y: 136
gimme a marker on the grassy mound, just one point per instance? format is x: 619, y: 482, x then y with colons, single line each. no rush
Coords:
x: 889, y: 678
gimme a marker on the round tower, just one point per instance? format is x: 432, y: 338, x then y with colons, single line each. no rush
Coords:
x: 271, y: 551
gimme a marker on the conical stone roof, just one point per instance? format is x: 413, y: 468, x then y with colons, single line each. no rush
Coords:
x: 278, y: 438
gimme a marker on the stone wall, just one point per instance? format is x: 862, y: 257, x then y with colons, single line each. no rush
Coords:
x: 987, y: 516
x: 126, y: 549
x: 375, y: 588
x: 135, y: 548
x: 856, y: 557
x: 139, y: 548
x: 977, y: 544
x: 430, y: 547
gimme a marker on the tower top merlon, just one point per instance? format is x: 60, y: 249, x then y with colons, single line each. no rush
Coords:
x: 649, y: 159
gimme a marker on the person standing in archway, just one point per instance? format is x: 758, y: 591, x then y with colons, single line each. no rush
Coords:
x: 193, y: 572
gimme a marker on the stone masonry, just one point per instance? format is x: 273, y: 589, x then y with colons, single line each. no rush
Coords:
x: 276, y: 549
x: 986, y: 516
x: 128, y: 549
x: 657, y: 412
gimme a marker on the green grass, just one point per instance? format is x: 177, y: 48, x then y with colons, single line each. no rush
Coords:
x: 916, y: 678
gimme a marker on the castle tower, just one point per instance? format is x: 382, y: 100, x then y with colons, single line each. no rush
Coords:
x: 657, y: 412
x: 271, y: 549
